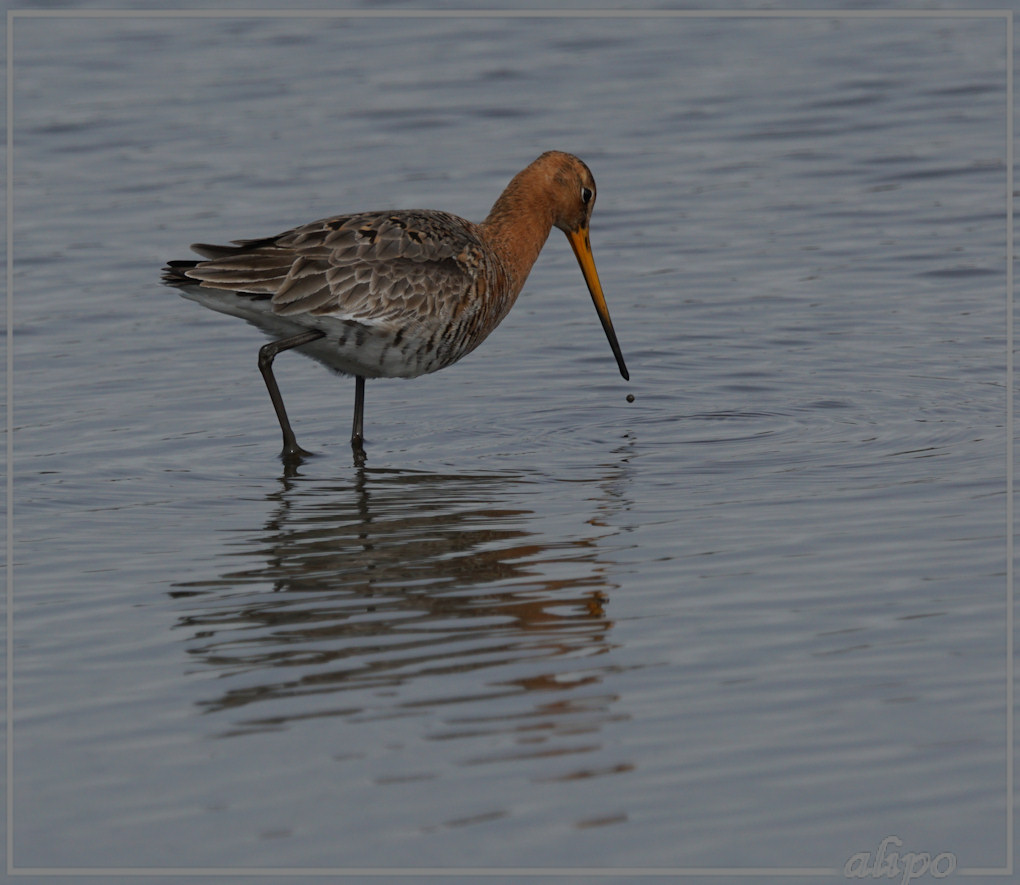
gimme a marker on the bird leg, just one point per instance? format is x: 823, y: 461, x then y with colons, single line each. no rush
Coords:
x: 358, y: 431
x: 291, y: 450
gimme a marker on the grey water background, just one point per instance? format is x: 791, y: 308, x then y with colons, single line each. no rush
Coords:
x: 755, y: 618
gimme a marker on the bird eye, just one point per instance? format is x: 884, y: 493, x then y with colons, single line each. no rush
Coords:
x: 586, y: 195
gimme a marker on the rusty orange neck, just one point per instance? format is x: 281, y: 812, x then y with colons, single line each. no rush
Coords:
x: 518, y: 226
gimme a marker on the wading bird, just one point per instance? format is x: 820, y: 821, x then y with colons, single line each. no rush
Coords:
x: 396, y: 294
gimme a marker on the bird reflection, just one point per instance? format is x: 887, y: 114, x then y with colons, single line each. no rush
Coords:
x: 353, y: 591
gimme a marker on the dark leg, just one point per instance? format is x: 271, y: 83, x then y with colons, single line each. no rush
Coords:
x: 358, y: 432
x: 291, y: 450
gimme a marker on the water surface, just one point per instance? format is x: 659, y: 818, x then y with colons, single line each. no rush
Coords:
x: 753, y: 619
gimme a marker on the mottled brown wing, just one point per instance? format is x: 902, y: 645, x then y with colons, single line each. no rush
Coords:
x: 371, y: 267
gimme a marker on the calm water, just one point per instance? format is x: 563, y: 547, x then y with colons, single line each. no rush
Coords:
x: 754, y: 619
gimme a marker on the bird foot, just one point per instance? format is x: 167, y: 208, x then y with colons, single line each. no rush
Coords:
x: 295, y: 454
x: 359, y: 452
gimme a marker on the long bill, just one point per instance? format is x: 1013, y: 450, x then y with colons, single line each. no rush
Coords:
x: 582, y: 251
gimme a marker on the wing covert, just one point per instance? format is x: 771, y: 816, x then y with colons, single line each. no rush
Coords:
x: 372, y: 267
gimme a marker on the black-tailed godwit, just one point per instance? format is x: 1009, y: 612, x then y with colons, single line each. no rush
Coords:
x: 396, y: 294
